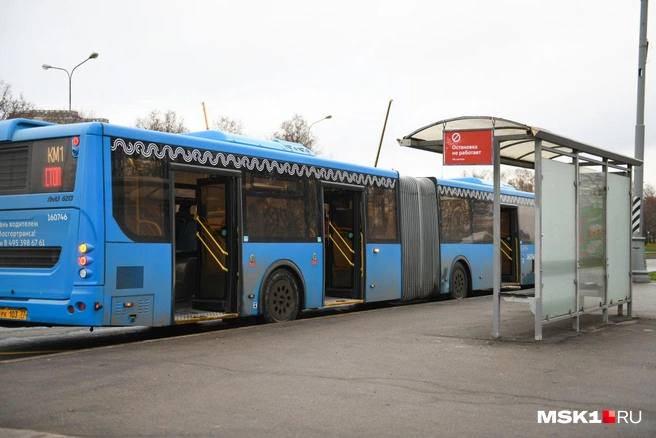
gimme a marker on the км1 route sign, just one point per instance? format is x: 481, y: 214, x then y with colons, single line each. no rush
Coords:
x: 468, y: 147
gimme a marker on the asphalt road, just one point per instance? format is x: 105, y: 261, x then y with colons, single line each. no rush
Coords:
x: 427, y: 369
x: 21, y: 342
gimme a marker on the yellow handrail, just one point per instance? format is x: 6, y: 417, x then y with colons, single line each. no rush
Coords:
x: 506, y: 250
x: 207, y: 230
x: 361, y: 252
x: 223, y: 268
x: 330, y: 225
x: 330, y: 236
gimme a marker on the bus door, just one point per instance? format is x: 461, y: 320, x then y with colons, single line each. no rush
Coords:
x: 206, y: 245
x: 344, y: 241
x: 509, y: 245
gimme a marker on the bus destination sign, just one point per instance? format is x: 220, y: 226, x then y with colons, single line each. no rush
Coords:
x: 463, y: 147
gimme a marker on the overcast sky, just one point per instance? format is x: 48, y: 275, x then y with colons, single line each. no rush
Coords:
x: 569, y: 66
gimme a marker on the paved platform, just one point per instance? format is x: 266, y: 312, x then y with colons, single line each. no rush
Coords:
x: 426, y: 369
x: 651, y: 265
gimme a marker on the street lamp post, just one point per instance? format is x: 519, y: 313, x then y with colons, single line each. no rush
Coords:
x: 94, y: 55
x: 638, y: 265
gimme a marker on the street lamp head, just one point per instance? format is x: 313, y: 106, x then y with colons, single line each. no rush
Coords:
x: 329, y: 116
x: 94, y: 55
x: 46, y: 66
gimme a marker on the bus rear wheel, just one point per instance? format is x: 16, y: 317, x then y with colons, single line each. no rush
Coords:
x: 459, y: 283
x: 281, y: 297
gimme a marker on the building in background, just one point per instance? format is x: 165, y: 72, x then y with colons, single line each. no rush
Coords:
x: 56, y: 116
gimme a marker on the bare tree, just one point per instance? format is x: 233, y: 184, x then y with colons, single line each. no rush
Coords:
x: 10, y: 104
x: 232, y: 126
x: 484, y: 174
x: 169, y: 121
x: 296, y: 130
x: 522, y: 179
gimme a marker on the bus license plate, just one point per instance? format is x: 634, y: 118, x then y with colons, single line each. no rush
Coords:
x: 16, y: 314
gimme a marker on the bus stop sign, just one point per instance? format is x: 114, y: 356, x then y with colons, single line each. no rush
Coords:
x: 468, y: 147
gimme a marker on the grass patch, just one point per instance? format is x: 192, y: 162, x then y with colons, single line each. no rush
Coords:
x: 651, y: 247
x: 652, y: 275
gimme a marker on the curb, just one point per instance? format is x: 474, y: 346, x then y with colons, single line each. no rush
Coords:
x: 25, y: 433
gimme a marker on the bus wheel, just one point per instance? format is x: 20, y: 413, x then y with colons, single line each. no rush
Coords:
x: 459, y: 285
x: 281, y: 297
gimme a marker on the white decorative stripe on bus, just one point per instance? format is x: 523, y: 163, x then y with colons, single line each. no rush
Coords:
x: 232, y: 161
x: 459, y: 192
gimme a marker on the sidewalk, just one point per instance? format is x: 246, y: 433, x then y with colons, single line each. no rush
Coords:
x: 644, y: 300
x: 651, y: 265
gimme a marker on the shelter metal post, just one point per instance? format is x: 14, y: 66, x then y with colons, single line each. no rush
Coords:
x: 538, y: 240
x: 620, y: 306
x: 604, y: 314
x: 577, y: 321
x: 629, y: 304
x: 496, y: 255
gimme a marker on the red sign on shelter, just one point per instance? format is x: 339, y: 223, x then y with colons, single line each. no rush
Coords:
x: 468, y: 147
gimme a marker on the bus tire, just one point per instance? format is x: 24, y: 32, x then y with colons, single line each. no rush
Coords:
x: 281, y: 297
x: 459, y: 282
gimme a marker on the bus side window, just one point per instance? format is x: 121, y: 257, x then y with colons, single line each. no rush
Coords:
x: 526, y: 224
x: 381, y: 215
x: 482, y: 221
x: 140, y: 201
x: 280, y: 208
x: 455, y: 220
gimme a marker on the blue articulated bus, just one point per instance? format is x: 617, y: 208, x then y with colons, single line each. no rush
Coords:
x: 466, y: 233
x: 103, y: 225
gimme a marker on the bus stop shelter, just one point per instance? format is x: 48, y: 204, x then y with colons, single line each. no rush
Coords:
x: 582, y: 260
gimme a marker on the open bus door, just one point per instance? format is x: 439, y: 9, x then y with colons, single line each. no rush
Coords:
x: 344, y: 243
x: 510, y: 251
x: 207, y: 245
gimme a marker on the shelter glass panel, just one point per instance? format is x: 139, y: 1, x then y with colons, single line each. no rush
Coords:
x: 619, y: 237
x: 592, y: 231
x: 558, y: 243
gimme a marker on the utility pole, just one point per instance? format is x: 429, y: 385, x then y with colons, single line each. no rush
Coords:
x: 638, y: 266
x: 207, y: 125
x: 382, y: 134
